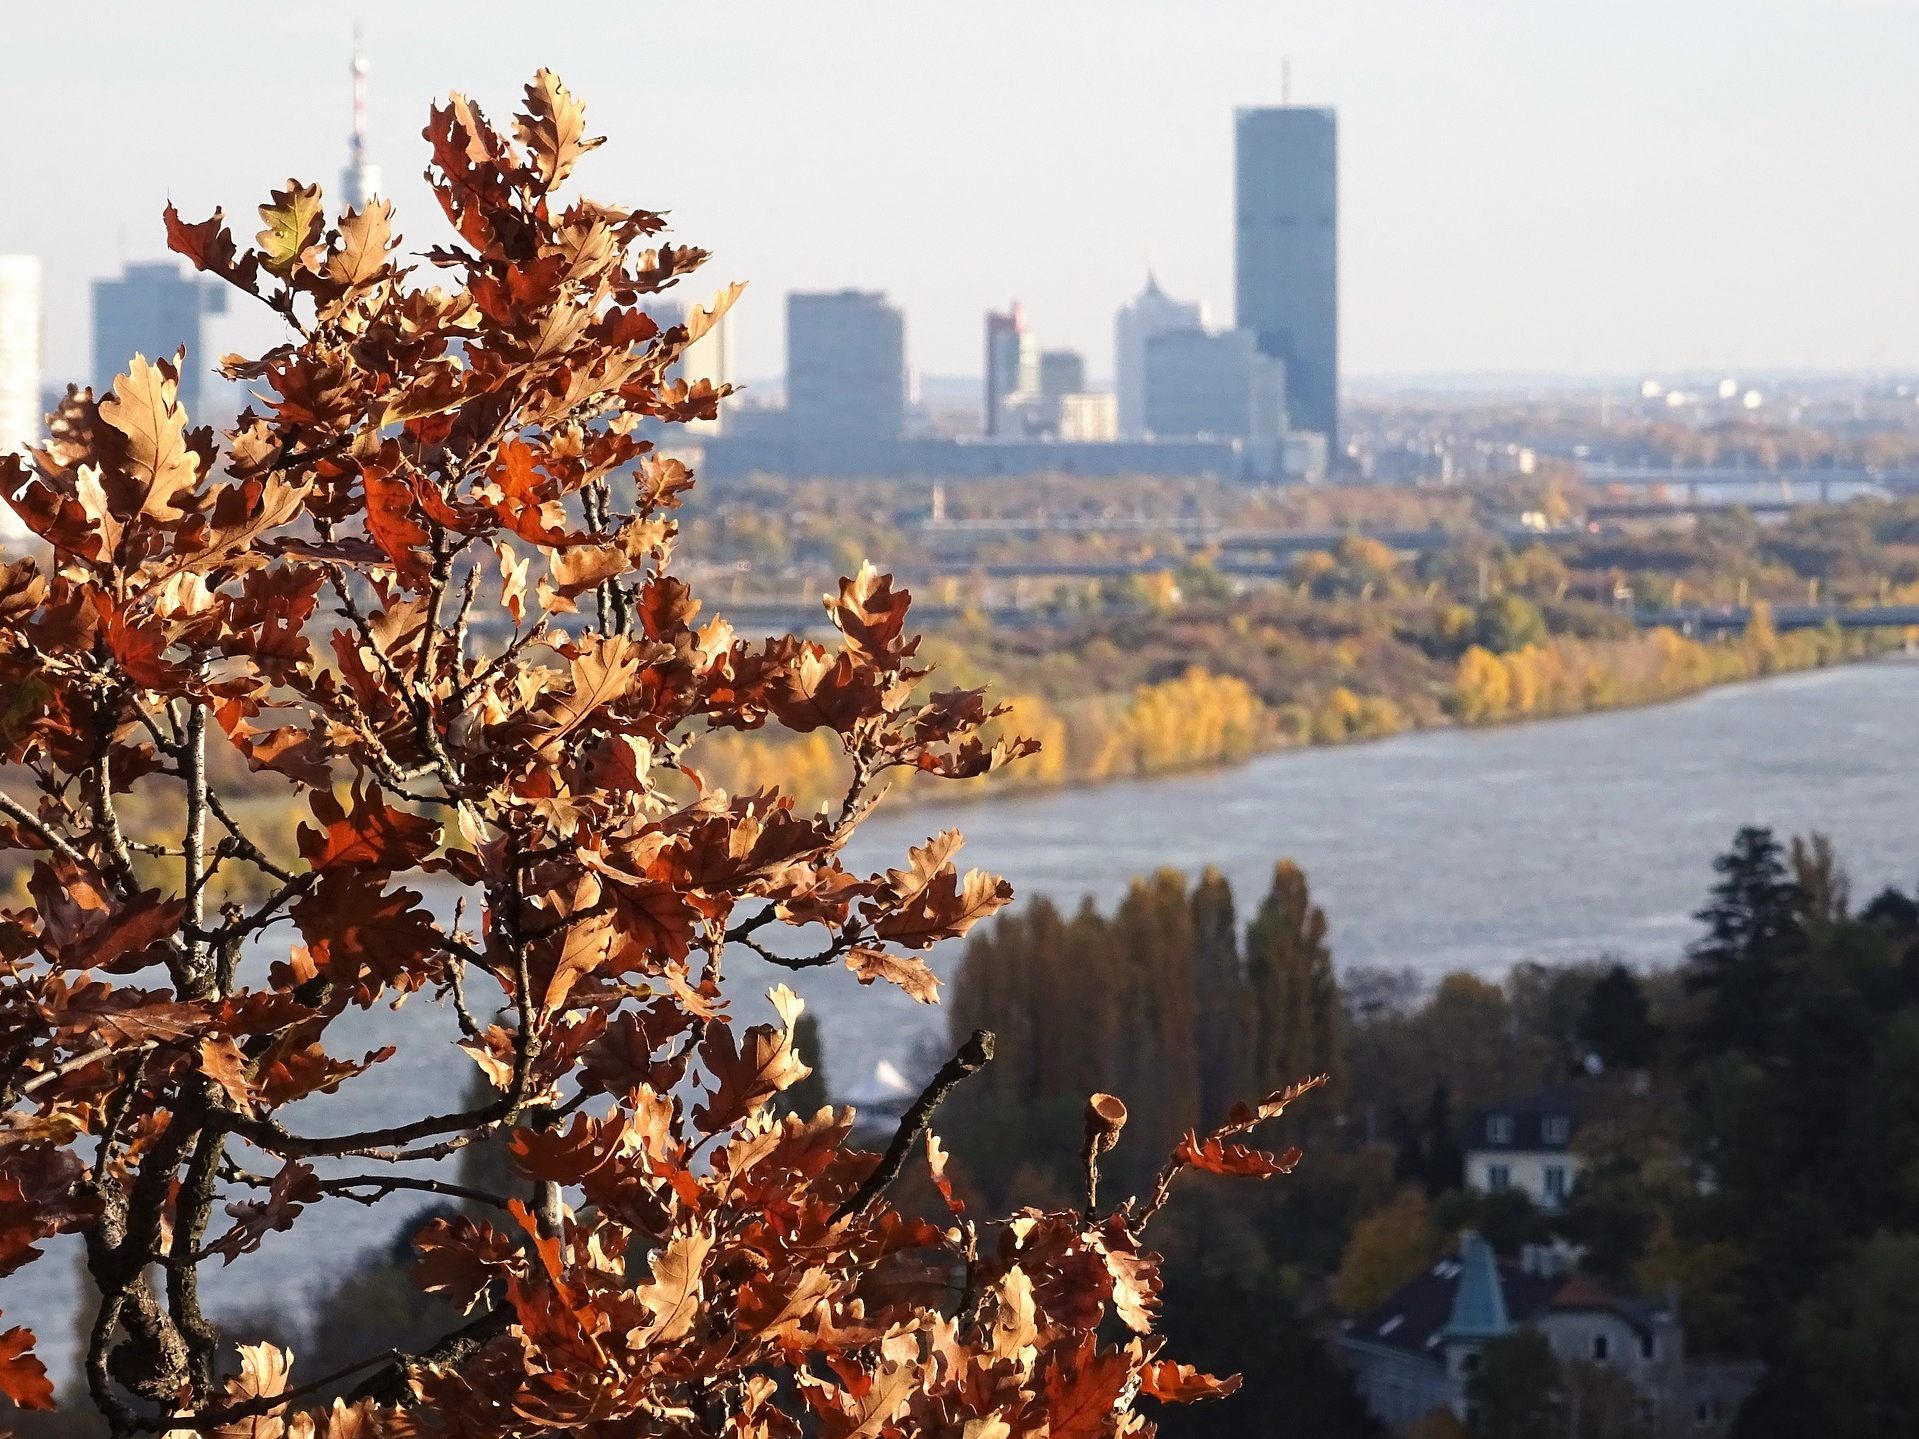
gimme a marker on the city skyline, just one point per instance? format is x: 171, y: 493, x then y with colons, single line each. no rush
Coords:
x: 1579, y: 194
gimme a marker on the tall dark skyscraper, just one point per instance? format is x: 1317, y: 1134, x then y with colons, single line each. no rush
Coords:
x: 1286, y: 253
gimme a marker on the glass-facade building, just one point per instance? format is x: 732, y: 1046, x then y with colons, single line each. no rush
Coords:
x: 845, y: 366
x: 1286, y: 253
x: 153, y: 309
x: 1213, y: 386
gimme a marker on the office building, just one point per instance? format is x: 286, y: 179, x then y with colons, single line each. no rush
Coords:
x: 1286, y: 252
x: 708, y: 358
x: 1088, y: 416
x: 845, y: 367
x: 1012, y: 373
x: 20, y: 332
x: 1213, y: 386
x: 20, y: 413
x: 1149, y: 313
x: 1061, y: 372
x: 153, y: 309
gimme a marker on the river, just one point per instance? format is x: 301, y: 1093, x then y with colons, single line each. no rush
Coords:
x: 1452, y: 849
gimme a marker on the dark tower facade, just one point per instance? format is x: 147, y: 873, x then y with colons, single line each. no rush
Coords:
x: 1286, y: 253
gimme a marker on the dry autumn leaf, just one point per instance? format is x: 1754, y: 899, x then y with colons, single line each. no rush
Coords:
x: 294, y: 740
x: 159, y: 465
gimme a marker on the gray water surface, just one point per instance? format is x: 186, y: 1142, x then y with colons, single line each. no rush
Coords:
x: 1472, y: 850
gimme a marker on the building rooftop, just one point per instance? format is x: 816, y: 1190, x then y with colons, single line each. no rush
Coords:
x: 1474, y: 1295
x: 1421, y: 1311
x: 1545, y: 1120
x: 1479, y: 1307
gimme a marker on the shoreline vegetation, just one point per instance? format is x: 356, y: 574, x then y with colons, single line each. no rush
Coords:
x: 1149, y: 653
x: 1203, y: 719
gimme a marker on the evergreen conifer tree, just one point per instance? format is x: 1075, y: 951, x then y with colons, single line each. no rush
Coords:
x: 1616, y: 1023
x: 1753, y: 932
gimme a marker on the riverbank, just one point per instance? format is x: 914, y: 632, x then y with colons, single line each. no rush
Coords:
x: 1201, y: 718
x: 1459, y: 848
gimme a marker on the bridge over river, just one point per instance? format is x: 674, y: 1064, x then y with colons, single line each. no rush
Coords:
x: 1803, y: 485
x: 752, y: 615
x: 1702, y: 620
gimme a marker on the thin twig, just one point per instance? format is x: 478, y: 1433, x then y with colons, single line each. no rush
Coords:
x: 393, y: 1363
x: 381, y: 1185
x: 456, y: 973
x: 81, y: 1061
x: 24, y: 817
x: 245, y: 848
x: 973, y: 1056
x: 194, y: 756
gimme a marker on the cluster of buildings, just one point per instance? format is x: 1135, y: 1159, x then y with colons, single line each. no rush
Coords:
x: 1258, y: 400
x: 1623, y: 1359
x: 1416, y: 1352
x: 151, y: 308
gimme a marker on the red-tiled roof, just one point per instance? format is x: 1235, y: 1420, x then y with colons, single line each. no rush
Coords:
x: 1581, y: 1291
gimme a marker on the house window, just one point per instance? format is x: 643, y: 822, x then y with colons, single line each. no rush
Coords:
x: 1555, y: 1183
x: 1602, y: 1347
x: 1498, y: 1176
x: 1557, y: 1129
x: 1649, y: 1345
x: 1499, y: 1129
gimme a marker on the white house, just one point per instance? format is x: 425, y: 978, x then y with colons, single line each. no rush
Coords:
x: 1525, y: 1145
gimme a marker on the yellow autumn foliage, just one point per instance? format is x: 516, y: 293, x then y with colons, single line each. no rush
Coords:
x: 1571, y: 676
x: 1201, y: 718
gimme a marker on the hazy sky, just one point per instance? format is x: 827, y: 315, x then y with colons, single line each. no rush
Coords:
x: 1565, y: 185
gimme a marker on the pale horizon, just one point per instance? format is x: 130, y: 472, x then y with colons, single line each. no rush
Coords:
x: 1603, y: 190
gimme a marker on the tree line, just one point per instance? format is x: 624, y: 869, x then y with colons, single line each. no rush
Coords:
x: 1749, y: 1118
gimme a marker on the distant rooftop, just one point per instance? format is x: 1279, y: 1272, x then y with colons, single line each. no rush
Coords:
x: 1474, y: 1295
x: 1544, y: 1120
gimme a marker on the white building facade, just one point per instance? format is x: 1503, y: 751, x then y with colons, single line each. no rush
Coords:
x: 1149, y: 313
x: 708, y: 358
x: 1525, y: 1145
x: 20, y: 352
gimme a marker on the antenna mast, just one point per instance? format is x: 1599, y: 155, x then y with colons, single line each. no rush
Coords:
x: 359, y: 92
x: 361, y: 179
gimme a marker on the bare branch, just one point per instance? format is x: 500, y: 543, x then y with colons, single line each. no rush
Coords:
x: 973, y: 1056
x: 30, y: 822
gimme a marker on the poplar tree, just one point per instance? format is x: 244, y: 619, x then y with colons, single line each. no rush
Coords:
x: 1289, y: 968
x: 1223, y: 1032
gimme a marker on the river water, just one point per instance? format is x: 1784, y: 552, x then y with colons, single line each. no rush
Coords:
x: 1561, y: 840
